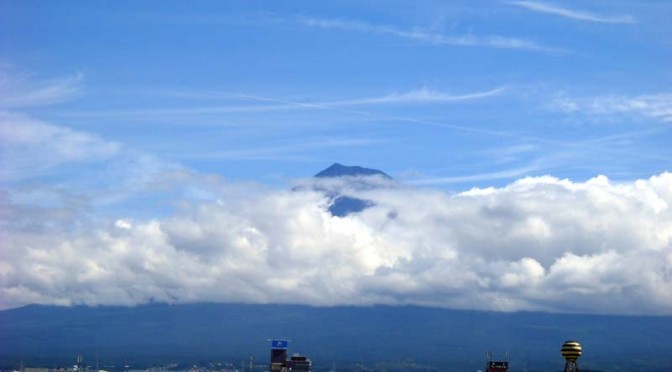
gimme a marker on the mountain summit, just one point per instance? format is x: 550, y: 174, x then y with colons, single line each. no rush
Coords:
x: 343, y: 204
x: 340, y: 170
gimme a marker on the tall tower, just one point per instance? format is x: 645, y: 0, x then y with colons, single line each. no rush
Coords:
x: 571, y: 351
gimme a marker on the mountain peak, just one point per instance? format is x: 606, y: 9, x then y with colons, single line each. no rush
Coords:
x: 343, y: 204
x: 340, y: 170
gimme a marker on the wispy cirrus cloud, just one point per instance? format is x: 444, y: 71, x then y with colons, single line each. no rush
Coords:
x: 427, y: 37
x: 656, y: 106
x: 499, y: 175
x: 423, y: 95
x: 579, y: 15
x: 32, y: 147
x: 418, y: 96
x: 17, y: 91
x: 271, y: 104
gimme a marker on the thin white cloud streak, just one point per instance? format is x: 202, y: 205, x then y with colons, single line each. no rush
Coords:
x: 416, y: 34
x: 420, y: 96
x: 572, y: 14
x: 426, y: 37
x: 440, y: 124
x: 17, y: 92
x: 417, y: 96
x: 416, y: 121
x: 350, y: 107
x: 655, y: 106
x: 505, y: 174
x: 540, y: 243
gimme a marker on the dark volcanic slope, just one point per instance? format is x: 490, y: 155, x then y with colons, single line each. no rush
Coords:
x: 342, y: 205
x: 339, y: 170
x: 153, y: 333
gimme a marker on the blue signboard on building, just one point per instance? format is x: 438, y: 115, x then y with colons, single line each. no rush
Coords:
x: 279, y: 344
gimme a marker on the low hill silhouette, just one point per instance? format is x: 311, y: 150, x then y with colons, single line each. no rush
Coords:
x: 150, y: 334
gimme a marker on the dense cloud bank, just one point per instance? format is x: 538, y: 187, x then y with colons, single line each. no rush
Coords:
x: 537, y: 244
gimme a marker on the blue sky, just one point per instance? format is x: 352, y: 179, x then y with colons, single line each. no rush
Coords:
x: 192, y: 83
x: 119, y: 111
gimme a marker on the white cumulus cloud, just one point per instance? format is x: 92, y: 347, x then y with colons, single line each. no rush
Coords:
x: 537, y: 244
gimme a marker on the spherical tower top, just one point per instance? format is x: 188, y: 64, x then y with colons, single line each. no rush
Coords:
x: 571, y: 351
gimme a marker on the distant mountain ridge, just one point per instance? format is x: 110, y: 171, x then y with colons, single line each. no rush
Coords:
x: 144, y: 335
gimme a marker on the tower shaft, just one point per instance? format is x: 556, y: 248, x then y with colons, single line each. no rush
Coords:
x: 571, y: 366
